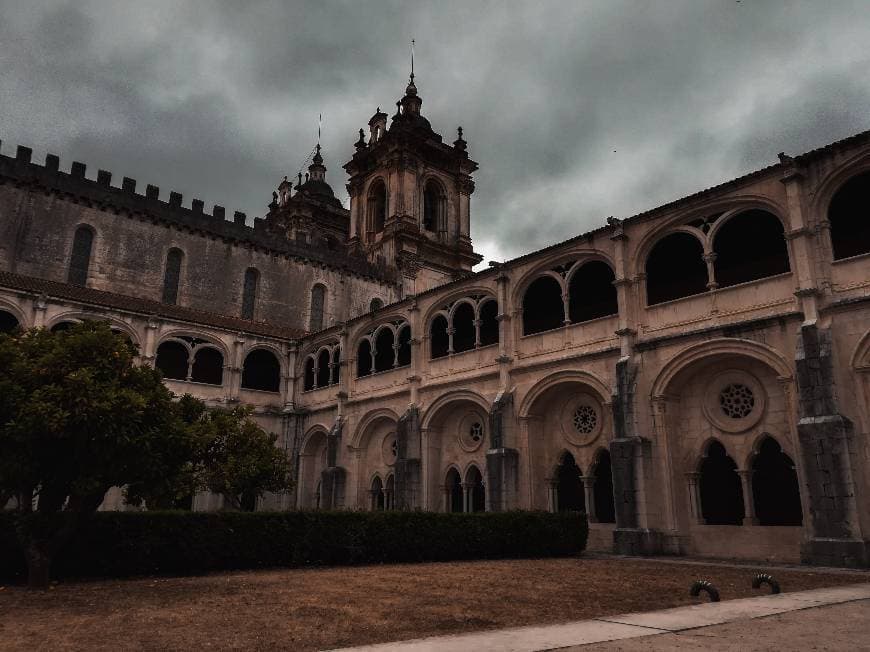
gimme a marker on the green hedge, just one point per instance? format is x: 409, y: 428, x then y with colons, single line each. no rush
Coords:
x: 116, y: 544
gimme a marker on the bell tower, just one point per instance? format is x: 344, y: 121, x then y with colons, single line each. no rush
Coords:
x: 410, y: 198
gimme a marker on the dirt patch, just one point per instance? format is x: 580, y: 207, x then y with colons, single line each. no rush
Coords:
x: 309, y: 609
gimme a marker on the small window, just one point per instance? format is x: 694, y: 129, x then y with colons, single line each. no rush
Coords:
x: 377, y: 208
x: 80, y: 259
x: 318, y: 300
x: 375, y: 304
x: 364, y: 358
x: 249, y: 293
x: 432, y: 207
x: 171, y: 276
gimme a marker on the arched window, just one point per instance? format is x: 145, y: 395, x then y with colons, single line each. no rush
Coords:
x: 249, y: 293
x: 603, y: 489
x: 453, y: 484
x: 433, y: 207
x: 476, y: 491
x: 404, y: 354
x: 323, y: 372
x: 80, y: 259
x: 775, y: 488
x: 375, y: 304
x: 8, y: 322
x: 377, y: 208
x: 336, y: 365
x: 720, y: 487
x: 318, y: 300
x: 208, y: 366
x: 438, y: 337
x: 172, y: 276
x: 543, y: 309
x: 591, y: 293
x: 489, y: 322
x: 463, y: 328
x: 173, y: 360
x: 570, y: 494
x: 308, y: 382
x: 849, y: 215
x: 364, y: 358
x: 377, y: 492
x: 675, y: 268
x: 749, y: 246
x: 385, y: 356
x: 261, y: 371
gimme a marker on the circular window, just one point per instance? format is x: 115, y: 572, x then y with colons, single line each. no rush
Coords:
x: 471, y: 432
x: 580, y: 419
x: 737, y: 401
x: 734, y: 401
x: 390, y: 449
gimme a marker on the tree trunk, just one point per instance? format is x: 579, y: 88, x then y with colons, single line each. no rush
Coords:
x: 38, y: 566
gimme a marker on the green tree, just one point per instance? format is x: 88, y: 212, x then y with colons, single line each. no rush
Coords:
x: 77, y: 417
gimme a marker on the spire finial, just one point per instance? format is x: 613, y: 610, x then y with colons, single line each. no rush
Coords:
x: 412, y: 61
x: 319, y: 126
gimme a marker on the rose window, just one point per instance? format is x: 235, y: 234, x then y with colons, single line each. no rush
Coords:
x: 476, y: 432
x: 394, y: 448
x: 737, y: 401
x: 585, y: 419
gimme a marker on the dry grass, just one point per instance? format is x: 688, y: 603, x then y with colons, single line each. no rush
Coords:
x: 307, y: 609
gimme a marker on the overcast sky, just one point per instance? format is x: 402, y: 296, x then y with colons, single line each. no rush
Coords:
x: 575, y: 110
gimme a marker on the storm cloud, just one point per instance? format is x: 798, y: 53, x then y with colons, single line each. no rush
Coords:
x: 574, y: 110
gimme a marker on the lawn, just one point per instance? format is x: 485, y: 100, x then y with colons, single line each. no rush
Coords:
x: 317, y: 608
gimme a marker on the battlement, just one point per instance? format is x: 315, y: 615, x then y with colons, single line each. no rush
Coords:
x: 102, y: 193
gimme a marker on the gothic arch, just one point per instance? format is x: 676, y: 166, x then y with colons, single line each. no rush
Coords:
x: 599, y: 387
x: 718, y: 347
x: 208, y: 340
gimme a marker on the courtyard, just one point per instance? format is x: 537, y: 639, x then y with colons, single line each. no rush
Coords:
x: 322, y: 608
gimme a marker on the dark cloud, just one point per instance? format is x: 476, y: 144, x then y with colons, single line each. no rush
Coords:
x: 575, y: 111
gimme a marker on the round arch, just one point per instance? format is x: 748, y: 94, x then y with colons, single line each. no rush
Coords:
x: 368, y: 420
x: 15, y: 311
x: 446, y: 400
x: 576, y: 258
x: 717, y: 347
x: 861, y: 355
x: 79, y: 316
x: 207, y: 340
x: 830, y: 184
x: 592, y: 381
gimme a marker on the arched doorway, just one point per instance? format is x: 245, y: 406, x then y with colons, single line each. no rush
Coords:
x: 453, y: 491
x: 775, y: 488
x: 605, y: 511
x: 570, y: 496
x: 719, y: 484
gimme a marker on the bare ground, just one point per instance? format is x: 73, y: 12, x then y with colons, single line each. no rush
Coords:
x: 308, y: 609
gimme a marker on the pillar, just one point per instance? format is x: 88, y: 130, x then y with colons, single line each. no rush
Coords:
x: 695, y: 512
x: 748, y: 497
x: 589, y: 494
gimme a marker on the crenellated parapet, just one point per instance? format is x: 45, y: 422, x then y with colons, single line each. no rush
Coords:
x: 100, y: 193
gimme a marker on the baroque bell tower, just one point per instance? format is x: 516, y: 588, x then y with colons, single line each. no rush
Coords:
x: 410, y: 198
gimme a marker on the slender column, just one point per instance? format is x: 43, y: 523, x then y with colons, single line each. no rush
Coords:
x: 450, y: 332
x: 445, y: 497
x: 748, y: 501
x: 589, y: 493
x: 710, y: 259
x: 466, y: 497
x: 477, y: 333
x: 148, y: 354
x: 566, y: 308
x: 694, y: 498
x: 290, y: 376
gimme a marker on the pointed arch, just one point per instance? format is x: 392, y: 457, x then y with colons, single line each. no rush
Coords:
x: 775, y: 486
x: 720, y: 488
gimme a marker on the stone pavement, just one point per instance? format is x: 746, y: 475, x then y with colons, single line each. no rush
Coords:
x: 828, y: 619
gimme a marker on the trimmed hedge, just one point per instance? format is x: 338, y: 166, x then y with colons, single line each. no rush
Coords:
x: 117, y: 544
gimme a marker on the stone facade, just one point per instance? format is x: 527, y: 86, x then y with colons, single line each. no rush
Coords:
x: 696, y: 377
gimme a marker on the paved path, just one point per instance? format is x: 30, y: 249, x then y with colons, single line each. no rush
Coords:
x: 837, y: 616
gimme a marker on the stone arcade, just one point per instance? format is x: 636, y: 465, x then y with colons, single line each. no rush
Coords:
x: 696, y: 377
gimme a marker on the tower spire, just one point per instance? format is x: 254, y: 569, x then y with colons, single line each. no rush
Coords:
x: 412, y: 61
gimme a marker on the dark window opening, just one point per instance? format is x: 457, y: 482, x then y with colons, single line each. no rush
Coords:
x: 323, y: 374
x: 591, y: 293
x: 849, y: 215
x: 336, y: 365
x: 62, y: 326
x: 208, y: 367
x: 364, y: 359
x: 775, y: 488
x: 378, y: 502
x: 261, y: 371
x: 248, y: 501
x: 432, y: 207
x: 172, y: 276
x: 8, y: 322
x: 377, y: 207
x: 308, y: 382
x: 749, y: 246
x: 602, y: 489
x: 476, y: 490
x: 488, y: 323
x: 404, y: 346
x: 438, y: 337
x: 385, y: 356
x: 675, y: 268
x: 172, y: 360
x: 454, y: 489
x: 375, y: 304
x: 543, y: 309
x: 569, y: 487
x: 720, y: 487
x: 80, y: 259
x: 318, y: 299
x: 249, y: 293
x: 463, y: 328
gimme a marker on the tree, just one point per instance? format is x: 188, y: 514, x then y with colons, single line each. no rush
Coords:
x: 77, y: 418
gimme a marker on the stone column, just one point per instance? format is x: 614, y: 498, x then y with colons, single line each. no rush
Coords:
x: 148, y: 349
x: 748, y: 497
x: 589, y: 495
x: 408, y: 460
x: 552, y: 495
x: 710, y: 259
x: 502, y: 460
x: 290, y: 376
x: 695, y: 512
x: 466, y: 497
